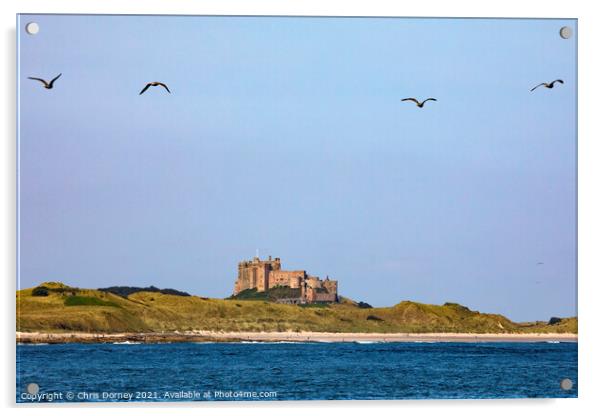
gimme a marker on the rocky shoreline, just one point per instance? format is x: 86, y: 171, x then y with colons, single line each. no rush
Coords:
x: 212, y: 336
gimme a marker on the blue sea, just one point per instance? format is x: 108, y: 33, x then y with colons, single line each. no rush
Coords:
x: 294, y: 371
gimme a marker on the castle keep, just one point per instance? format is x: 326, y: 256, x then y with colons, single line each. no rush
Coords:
x: 266, y: 274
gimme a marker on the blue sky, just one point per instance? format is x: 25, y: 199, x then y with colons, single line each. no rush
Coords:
x: 287, y: 135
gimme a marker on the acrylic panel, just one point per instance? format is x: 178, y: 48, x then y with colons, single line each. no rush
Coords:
x: 295, y: 208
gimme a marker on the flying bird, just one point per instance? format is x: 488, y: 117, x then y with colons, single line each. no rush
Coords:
x: 418, y: 103
x: 47, y: 85
x: 540, y: 263
x: 547, y: 85
x: 154, y: 84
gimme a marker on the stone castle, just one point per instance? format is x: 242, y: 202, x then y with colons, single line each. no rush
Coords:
x: 266, y: 274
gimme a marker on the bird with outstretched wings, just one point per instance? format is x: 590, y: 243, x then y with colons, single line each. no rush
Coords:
x: 154, y: 84
x: 547, y: 84
x: 47, y: 85
x: 418, y: 103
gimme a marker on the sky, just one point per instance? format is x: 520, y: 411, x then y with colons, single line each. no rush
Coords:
x: 287, y: 136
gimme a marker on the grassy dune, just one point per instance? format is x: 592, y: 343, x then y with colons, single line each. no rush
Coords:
x: 67, y: 309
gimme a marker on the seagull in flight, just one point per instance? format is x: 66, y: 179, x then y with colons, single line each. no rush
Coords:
x: 47, y: 85
x: 154, y: 84
x: 418, y: 103
x: 547, y: 85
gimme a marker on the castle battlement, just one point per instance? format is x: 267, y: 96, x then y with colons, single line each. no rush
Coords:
x: 265, y: 274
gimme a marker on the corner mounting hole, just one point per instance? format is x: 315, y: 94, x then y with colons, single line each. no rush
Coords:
x: 566, y: 32
x: 32, y: 28
x: 566, y: 384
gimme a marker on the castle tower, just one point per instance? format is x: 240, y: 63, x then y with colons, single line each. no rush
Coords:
x: 255, y: 274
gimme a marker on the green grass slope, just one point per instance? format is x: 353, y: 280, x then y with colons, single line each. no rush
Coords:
x: 65, y: 309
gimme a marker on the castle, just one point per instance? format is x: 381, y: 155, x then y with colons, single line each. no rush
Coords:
x: 266, y: 274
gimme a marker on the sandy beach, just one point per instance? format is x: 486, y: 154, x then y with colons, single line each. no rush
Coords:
x: 213, y: 336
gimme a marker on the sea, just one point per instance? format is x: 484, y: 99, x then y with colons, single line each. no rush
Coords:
x: 294, y: 371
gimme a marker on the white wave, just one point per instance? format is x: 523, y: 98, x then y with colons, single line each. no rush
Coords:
x: 33, y: 344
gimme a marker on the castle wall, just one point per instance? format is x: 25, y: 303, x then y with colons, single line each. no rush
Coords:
x: 313, y: 282
x: 330, y: 285
x: 291, y: 278
x: 309, y: 294
x: 244, y: 280
x: 261, y: 277
x: 324, y: 297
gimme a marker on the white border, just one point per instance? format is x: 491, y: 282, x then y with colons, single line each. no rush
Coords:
x: 590, y: 189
